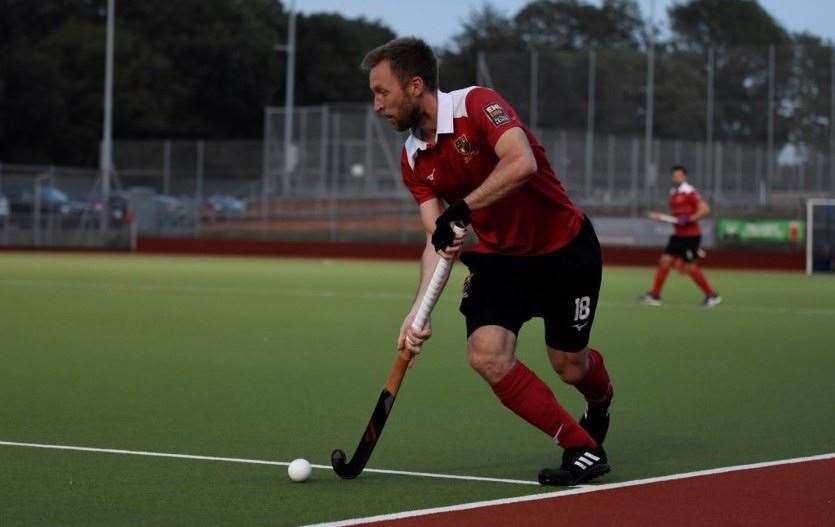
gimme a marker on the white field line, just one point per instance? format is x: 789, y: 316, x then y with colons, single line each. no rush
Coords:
x: 256, y: 462
x: 581, y: 490
x: 310, y: 293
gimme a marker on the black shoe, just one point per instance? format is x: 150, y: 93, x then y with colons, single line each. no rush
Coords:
x: 578, y: 466
x: 595, y: 421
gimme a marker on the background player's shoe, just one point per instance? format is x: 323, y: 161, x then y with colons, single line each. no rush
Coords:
x: 578, y: 465
x: 595, y: 421
x: 712, y: 300
x: 650, y: 299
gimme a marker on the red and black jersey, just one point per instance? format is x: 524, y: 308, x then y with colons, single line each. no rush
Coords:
x: 537, y: 218
x: 685, y: 199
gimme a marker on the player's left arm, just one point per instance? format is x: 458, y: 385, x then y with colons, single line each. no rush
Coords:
x: 516, y: 165
x: 497, y: 124
x: 702, y: 210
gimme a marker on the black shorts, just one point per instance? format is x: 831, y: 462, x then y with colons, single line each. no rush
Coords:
x: 560, y: 287
x: 684, y: 247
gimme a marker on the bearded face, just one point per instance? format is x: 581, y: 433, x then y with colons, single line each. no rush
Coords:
x: 407, y: 115
x: 391, y: 99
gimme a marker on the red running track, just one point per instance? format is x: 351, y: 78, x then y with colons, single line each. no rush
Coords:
x: 782, y: 495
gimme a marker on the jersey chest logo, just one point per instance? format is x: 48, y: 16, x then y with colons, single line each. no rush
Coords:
x: 465, y: 148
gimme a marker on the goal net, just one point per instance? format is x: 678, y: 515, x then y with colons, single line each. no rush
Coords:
x: 820, y: 236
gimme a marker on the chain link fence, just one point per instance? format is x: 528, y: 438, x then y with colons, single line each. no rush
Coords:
x: 754, y: 126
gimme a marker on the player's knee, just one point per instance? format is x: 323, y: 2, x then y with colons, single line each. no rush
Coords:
x: 665, y: 261
x: 571, y: 368
x: 488, y: 362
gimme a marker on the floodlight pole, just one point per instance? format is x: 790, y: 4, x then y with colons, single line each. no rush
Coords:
x: 711, y: 68
x: 832, y: 124
x: 648, y: 125
x: 289, y: 85
x: 106, y: 153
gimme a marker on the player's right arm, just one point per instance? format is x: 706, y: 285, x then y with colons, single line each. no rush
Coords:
x: 409, y: 340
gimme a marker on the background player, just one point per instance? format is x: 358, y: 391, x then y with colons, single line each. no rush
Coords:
x: 537, y: 256
x: 688, y: 207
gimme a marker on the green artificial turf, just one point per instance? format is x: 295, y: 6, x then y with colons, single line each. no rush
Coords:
x: 276, y: 359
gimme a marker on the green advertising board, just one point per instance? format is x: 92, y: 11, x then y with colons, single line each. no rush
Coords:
x: 769, y: 231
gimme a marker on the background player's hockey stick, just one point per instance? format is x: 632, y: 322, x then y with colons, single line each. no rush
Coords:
x: 351, y: 469
x: 660, y: 216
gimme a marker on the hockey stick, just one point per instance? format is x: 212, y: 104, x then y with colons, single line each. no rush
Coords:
x: 664, y: 218
x: 353, y: 468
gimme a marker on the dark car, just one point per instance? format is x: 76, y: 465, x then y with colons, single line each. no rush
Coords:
x: 52, y: 200
x: 221, y: 207
x: 118, y: 204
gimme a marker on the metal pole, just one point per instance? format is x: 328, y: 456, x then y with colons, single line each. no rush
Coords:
x: 770, y: 154
x: 265, y: 165
x: 832, y: 124
x: 650, y: 104
x: 289, y: 85
x: 711, y: 66
x: 166, y: 168
x: 201, y: 160
x: 198, y: 188
x: 636, y: 151
x: 717, y: 178
x: 323, y: 149
x: 761, y: 183
x: 534, y: 98
x: 819, y: 172
x: 610, y: 191
x: 36, y: 209
x: 369, y: 145
x: 590, y: 121
x: 106, y: 154
x: 483, y: 77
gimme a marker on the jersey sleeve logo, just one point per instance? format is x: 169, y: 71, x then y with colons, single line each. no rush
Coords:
x: 497, y: 114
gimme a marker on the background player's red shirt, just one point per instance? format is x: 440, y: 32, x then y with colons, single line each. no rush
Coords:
x: 684, y: 199
x: 537, y: 218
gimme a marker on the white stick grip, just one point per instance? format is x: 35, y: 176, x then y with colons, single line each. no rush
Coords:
x: 436, y: 286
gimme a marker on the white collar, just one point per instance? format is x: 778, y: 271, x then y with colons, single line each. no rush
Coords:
x: 443, y: 126
x: 684, y: 188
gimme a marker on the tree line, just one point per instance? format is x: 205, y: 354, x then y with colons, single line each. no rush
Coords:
x: 207, y: 68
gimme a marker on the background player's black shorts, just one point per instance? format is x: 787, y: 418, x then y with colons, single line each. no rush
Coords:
x: 684, y: 247
x: 560, y: 287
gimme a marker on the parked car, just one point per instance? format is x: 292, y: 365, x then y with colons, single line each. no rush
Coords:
x: 222, y: 206
x: 119, y: 205
x: 52, y: 200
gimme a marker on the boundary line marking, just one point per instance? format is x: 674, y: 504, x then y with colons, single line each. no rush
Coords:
x: 258, y: 462
x: 580, y: 490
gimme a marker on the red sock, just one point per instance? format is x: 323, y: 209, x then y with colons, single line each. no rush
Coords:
x: 596, y: 386
x: 528, y: 397
x: 660, y: 276
x: 699, y: 277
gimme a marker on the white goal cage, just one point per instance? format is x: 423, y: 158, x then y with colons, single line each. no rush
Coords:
x: 820, y: 235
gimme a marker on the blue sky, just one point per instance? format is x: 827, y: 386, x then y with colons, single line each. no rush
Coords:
x: 437, y: 20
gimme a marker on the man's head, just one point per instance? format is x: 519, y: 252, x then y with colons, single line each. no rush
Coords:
x: 679, y: 174
x: 400, y: 73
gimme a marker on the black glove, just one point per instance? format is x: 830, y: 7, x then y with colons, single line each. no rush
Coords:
x: 443, y: 236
